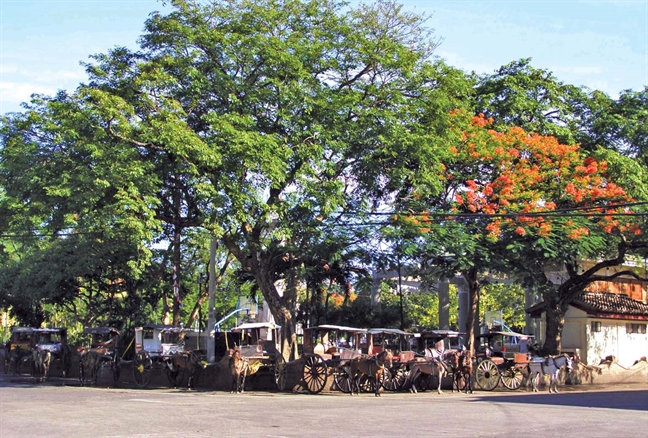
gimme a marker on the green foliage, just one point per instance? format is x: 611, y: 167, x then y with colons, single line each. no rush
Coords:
x: 509, y: 298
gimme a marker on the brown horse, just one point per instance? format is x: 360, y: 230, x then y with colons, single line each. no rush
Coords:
x: 433, y: 367
x: 90, y: 364
x: 239, y: 368
x: 462, y: 375
x: 372, y: 367
x: 180, y: 364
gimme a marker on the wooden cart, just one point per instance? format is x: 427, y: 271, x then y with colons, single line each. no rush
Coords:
x: 501, y: 357
x: 101, y: 352
x: 161, y: 348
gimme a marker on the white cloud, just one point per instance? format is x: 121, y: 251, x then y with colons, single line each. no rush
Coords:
x: 12, y: 94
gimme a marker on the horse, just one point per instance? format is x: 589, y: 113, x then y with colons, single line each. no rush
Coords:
x: 90, y: 363
x: 463, y: 372
x: 433, y: 367
x: 372, y: 367
x: 239, y: 367
x: 41, y: 360
x: 548, y: 365
x: 180, y: 364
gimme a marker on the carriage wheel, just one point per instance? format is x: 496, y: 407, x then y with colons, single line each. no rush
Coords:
x: 280, y: 372
x: 365, y: 384
x: 142, y: 368
x: 396, y: 379
x: 343, y: 381
x: 426, y: 381
x: 315, y: 373
x: 512, y: 378
x: 487, y: 375
x: 175, y: 377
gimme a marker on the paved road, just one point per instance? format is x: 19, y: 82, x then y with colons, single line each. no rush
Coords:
x: 61, y: 409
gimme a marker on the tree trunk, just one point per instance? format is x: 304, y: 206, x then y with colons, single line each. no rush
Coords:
x: 177, y: 261
x: 473, y: 298
x: 553, y: 335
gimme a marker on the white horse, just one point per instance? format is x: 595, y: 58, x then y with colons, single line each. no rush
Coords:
x: 539, y: 366
x: 433, y: 367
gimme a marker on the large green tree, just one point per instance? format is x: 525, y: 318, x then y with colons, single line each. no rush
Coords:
x: 263, y: 121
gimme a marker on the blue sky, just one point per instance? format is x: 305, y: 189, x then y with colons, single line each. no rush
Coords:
x: 599, y: 44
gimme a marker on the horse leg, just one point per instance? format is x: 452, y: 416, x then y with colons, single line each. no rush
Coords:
x: 553, y: 382
x: 535, y: 381
x: 440, y: 377
x: 468, y: 382
x: 413, y: 375
x: 234, y: 381
x: 243, y: 376
x: 356, y: 382
x: 46, y: 365
x: 376, y: 384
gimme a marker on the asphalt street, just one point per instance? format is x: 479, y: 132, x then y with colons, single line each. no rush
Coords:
x: 61, y: 408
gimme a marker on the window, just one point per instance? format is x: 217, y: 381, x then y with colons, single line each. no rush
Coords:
x: 636, y: 328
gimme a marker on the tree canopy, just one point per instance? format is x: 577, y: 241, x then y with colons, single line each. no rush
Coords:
x: 288, y: 130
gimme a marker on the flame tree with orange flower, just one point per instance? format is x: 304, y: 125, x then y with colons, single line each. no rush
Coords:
x: 518, y: 203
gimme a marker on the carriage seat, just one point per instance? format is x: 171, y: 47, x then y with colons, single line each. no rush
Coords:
x: 331, y: 350
x: 377, y: 349
x: 406, y: 356
x: 319, y: 348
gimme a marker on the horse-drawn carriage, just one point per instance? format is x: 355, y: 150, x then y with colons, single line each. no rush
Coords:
x: 39, y: 348
x: 400, y: 344
x: 501, y: 357
x: 259, y: 347
x: 326, y: 352
x: 102, y: 353
x: 161, y: 348
x: 438, y: 353
x: 18, y: 350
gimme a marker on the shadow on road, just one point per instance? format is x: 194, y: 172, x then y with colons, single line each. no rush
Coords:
x: 631, y: 400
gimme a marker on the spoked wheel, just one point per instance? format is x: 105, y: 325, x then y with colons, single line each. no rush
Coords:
x: 175, y: 377
x: 425, y: 382
x: 512, y: 378
x: 142, y: 369
x: 394, y: 379
x: 365, y: 384
x: 343, y: 380
x: 315, y: 373
x: 280, y: 372
x: 487, y: 375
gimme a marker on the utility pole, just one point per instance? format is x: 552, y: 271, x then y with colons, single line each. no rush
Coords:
x: 211, y: 318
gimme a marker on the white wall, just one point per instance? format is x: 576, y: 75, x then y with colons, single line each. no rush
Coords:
x: 612, y: 340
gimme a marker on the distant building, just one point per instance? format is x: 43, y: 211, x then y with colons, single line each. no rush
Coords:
x: 607, y: 319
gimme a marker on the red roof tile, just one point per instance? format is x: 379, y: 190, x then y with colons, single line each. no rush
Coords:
x: 605, y: 302
x: 600, y: 302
